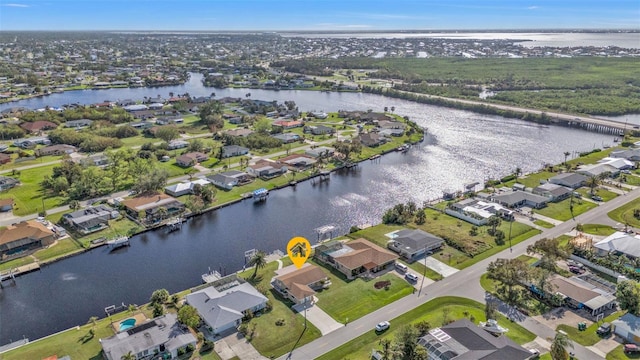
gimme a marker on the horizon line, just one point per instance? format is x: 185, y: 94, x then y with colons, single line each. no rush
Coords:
x: 569, y: 29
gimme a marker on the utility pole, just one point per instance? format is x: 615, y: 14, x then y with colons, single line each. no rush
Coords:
x: 510, y: 225
x: 424, y: 272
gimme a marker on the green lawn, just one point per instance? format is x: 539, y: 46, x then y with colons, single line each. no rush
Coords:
x: 605, y: 194
x: 618, y: 354
x: 119, y: 226
x: 544, y: 224
x: 360, y: 347
x: 533, y: 180
x: 630, y: 179
x: 28, y: 196
x: 527, y: 259
x: 354, y: 299
x: 270, y: 339
x: 12, y: 264
x: 624, y: 214
x: 560, y: 210
x: 40, y: 160
x: 61, y: 247
x: 598, y: 229
x: 589, y: 336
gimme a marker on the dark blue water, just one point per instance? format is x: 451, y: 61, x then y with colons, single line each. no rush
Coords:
x: 461, y: 147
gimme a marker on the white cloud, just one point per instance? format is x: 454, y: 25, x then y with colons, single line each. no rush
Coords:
x: 17, y: 5
x: 343, y: 26
x: 533, y: 7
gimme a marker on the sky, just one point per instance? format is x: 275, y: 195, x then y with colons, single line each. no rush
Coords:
x: 317, y: 15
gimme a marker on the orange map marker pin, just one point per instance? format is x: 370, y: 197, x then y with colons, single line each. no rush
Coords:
x: 299, y: 250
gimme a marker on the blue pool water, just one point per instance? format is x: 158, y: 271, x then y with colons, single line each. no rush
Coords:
x: 127, y: 324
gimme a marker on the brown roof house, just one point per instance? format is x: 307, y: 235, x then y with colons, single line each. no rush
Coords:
x: 192, y: 158
x: 300, y: 285
x: 38, y: 126
x: 59, y: 149
x: 16, y: 240
x: 6, y: 205
x: 146, y: 208
x: 371, y: 139
x: 4, y: 158
x: 356, y: 258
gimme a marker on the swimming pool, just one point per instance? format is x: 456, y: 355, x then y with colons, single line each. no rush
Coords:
x: 127, y: 324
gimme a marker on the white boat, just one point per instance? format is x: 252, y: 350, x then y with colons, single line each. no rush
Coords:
x: 492, y: 326
x: 118, y: 242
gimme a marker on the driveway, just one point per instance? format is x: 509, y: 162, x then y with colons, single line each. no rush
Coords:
x: 321, y: 319
x: 560, y: 316
x: 439, y: 267
x: 236, y: 345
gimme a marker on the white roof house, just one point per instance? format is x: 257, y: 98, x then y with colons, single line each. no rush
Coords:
x: 185, y: 187
x: 620, y: 242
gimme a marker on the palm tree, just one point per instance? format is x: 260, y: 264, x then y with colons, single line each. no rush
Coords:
x: 259, y: 260
x: 593, y: 183
x: 128, y: 356
x: 517, y: 172
x: 162, y: 212
x: 566, y: 154
x: 559, y: 346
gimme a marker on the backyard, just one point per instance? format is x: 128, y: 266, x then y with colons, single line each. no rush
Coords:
x: 560, y: 210
x: 433, y: 312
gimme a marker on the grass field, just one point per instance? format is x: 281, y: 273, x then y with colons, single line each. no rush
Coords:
x: 618, y: 354
x: 560, y: 210
x: 605, y: 194
x: 543, y: 223
x: 360, y: 347
x: 624, y: 214
x: 28, y: 196
x: 598, y: 229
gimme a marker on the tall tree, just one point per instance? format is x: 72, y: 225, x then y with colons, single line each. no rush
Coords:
x: 160, y: 296
x: 188, y: 315
x: 407, y: 341
x: 259, y: 260
x: 628, y: 294
x: 167, y: 133
x: 510, y: 273
x: 559, y: 347
x: 566, y: 155
x: 550, y: 250
x: 593, y: 182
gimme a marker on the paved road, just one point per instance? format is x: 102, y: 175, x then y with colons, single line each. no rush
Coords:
x: 465, y: 283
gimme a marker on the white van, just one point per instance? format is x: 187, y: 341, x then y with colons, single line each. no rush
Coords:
x: 401, y: 267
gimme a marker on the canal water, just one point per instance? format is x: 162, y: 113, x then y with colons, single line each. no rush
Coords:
x: 461, y: 147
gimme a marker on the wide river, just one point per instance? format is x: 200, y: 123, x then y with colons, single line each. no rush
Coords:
x: 461, y: 147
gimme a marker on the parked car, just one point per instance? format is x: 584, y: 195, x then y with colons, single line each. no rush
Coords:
x: 604, y: 329
x: 534, y: 353
x: 577, y: 194
x: 411, y: 277
x: 596, y: 198
x: 631, y: 349
x: 382, y: 326
x: 401, y: 267
x: 576, y: 269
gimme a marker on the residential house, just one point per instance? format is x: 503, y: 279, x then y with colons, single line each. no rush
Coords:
x: 320, y: 151
x: 391, y: 132
x: 319, y: 130
x: 191, y: 159
x: 185, y: 188
x: 267, y: 169
x: 78, y: 124
x: 300, y: 285
x: 6, y: 205
x: 619, y: 243
x: 7, y: 182
x: 90, y: 219
x: 571, y: 180
x: 464, y: 340
x: 515, y: 199
x: 411, y: 244
x: 629, y: 154
x: 159, y: 338
x: 288, y: 124
x: 387, y: 124
x: 239, y: 132
x: 147, y: 207
x: 627, y: 327
x: 4, y: 158
x: 234, y: 150
x: 56, y: 150
x: 141, y: 125
x: 298, y: 161
x: 224, y: 304
x: 177, y: 144
x: 597, y: 170
x: 29, y: 143
x: 228, y: 179
x: 38, y: 126
x: 287, y: 138
x: 17, y: 239
x: 553, y: 192
x: 355, y: 258
x: 478, y: 212
x: 580, y: 294
x: 93, y: 160
x: 371, y: 139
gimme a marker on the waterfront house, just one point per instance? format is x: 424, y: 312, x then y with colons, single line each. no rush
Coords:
x: 56, y: 150
x: 619, y: 243
x: 185, y: 188
x: 38, y: 126
x: 298, y: 161
x: 553, y: 192
x: 320, y: 151
x: 191, y: 159
x: 78, y: 124
x: 462, y: 339
x: 478, y: 212
x: 7, y: 182
x: 515, y: 199
x: 234, y: 150
x: 224, y: 304
x: 571, y: 180
x: 597, y: 170
x: 90, y: 219
x: 287, y: 138
x: 627, y: 327
x: 630, y: 154
x: 146, y: 207
x: 300, y: 285
x: 371, y: 139
x: 355, y: 258
x: 228, y: 179
x: 17, y: 239
x: 161, y: 337
x: 411, y: 244
x: 267, y: 169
